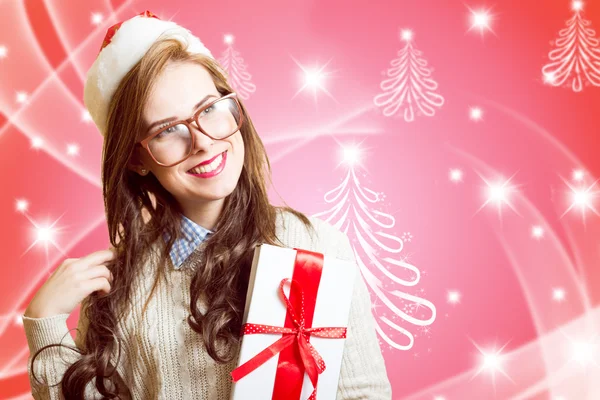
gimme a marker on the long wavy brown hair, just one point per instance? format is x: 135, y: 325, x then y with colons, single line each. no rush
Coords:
x: 139, y: 211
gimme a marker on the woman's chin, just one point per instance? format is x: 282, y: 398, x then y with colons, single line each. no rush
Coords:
x: 213, y: 194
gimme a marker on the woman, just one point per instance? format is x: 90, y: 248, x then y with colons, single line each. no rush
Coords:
x: 184, y: 181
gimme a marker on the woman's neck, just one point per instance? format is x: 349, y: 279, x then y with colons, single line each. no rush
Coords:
x: 205, y: 214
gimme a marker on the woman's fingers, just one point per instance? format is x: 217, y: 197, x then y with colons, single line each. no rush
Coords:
x: 96, y: 258
x: 101, y: 284
x: 98, y: 271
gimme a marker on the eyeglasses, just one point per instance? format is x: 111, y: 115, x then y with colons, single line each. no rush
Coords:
x: 173, y: 143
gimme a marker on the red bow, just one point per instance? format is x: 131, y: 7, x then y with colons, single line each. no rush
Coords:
x: 312, y: 361
x: 113, y: 29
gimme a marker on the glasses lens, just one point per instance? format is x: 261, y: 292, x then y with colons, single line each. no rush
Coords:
x: 171, y: 144
x: 174, y: 143
x: 221, y: 119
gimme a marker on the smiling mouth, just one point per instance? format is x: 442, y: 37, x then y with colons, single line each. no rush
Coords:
x: 210, y: 167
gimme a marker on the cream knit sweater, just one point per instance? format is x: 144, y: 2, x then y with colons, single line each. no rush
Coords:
x: 163, y: 358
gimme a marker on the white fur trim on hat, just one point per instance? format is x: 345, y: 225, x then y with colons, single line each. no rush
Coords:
x: 128, y: 45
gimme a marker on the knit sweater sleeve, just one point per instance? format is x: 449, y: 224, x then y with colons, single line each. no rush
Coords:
x: 51, y: 363
x: 363, y: 373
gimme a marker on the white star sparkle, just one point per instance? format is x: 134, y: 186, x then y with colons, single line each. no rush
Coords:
x: 558, y: 294
x: 97, y: 18
x: 456, y: 175
x: 476, y: 114
x: 351, y: 154
x: 499, y: 193
x: 481, y: 19
x: 22, y: 97
x: 549, y: 77
x: 22, y: 205
x: 577, y: 5
x: 491, y: 361
x: 406, y: 35
x: 314, y: 79
x: 582, y: 198
x: 578, y: 175
x: 85, y: 116
x: 72, y: 149
x: 454, y: 296
x: 44, y: 233
x: 3, y: 51
x: 37, y: 143
x: 537, y: 232
x: 228, y: 39
x: 584, y: 352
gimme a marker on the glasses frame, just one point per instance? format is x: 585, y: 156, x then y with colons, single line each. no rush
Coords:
x: 145, y: 143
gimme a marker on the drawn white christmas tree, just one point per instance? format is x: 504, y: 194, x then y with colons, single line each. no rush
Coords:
x: 389, y: 276
x: 234, y: 65
x: 408, y: 88
x: 576, y: 59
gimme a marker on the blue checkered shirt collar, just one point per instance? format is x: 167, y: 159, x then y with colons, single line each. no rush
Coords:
x: 193, y: 235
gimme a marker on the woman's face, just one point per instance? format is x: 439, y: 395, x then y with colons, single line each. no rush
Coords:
x: 178, y: 89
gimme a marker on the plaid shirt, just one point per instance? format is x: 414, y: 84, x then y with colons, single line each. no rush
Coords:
x: 193, y: 235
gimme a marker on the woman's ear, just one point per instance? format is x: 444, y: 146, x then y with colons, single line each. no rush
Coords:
x: 136, y: 165
x: 139, y: 169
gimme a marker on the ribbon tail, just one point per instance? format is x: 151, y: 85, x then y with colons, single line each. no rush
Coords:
x: 313, y: 362
x: 262, y: 357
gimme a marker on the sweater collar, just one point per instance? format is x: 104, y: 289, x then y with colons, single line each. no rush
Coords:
x: 184, y: 246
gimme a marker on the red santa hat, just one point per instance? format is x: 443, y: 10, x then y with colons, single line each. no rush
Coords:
x: 124, y: 45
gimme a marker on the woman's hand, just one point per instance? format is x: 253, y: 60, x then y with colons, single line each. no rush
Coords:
x: 70, y: 283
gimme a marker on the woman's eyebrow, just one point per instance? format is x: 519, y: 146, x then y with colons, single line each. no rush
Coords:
x: 162, y: 121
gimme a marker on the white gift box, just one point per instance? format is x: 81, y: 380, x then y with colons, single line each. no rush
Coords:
x: 264, y: 306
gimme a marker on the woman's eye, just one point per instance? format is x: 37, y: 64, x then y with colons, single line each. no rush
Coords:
x: 168, y: 131
x: 207, y: 110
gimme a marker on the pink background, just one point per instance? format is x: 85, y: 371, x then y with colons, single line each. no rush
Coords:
x: 546, y: 347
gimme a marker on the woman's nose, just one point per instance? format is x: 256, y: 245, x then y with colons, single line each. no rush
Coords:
x: 201, y: 141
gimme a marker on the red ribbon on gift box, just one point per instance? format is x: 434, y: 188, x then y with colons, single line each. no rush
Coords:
x: 297, y: 354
